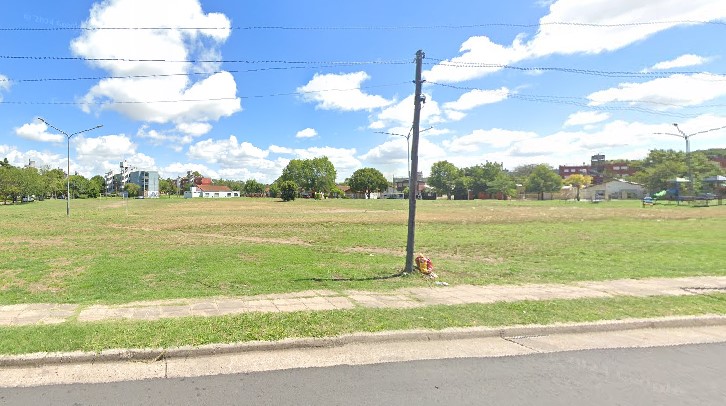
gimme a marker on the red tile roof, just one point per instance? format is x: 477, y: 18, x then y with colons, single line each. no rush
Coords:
x: 213, y: 188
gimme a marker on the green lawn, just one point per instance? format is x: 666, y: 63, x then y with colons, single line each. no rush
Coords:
x: 113, y: 251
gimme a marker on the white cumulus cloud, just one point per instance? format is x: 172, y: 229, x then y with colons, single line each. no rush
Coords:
x: 476, y: 98
x: 610, y: 28
x: 680, y: 62
x: 228, y: 153
x: 495, y: 138
x: 585, y: 118
x: 306, y: 133
x: 215, y: 93
x: 401, y: 114
x: 341, y: 92
x: 38, y: 132
x: 664, y: 93
x: 4, y: 85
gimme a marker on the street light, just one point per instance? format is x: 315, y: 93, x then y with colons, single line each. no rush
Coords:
x: 68, y: 156
x: 408, y: 146
x: 687, y: 137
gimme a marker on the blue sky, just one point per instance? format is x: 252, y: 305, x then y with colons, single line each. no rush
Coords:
x: 254, y: 84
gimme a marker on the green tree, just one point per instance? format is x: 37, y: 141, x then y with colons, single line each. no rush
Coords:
x: 132, y: 189
x: 660, y: 166
x: 10, y: 182
x: 444, y: 176
x: 481, y: 175
x: 463, y: 186
x: 543, y: 179
x: 54, y: 182
x: 296, y: 171
x: 79, y: 186
x: 578, y: 180
x: 288, y: 190
x: 274, y: 190
x: 253, y: 187
x: 504, y: 184
x: 31, y: 183
x: 96, y: 186
x: 323, y: 175
x: 315, y: 175
x: 367, y: 180
x: 168, y: 186
x: 522, y: 172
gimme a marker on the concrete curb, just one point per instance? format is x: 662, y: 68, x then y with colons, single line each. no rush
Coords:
x: 158, y: 354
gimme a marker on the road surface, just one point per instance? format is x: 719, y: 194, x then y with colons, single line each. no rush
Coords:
x: 676, y: 375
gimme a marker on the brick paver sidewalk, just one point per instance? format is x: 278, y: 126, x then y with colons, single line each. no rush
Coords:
x: 27, y: 314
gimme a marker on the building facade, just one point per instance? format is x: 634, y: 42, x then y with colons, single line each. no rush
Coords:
x: 210, y: 192
x: 148, y: 182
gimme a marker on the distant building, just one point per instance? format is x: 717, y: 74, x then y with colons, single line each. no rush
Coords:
x: 567, y: 170
x: 402, y: 183
x: 599, y: 169
x: 614, y: 189
x: 148, y: 182
x: 719, y: 161
x: 210, y: 192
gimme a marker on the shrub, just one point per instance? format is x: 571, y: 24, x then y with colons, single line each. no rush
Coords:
x: 288, y: 190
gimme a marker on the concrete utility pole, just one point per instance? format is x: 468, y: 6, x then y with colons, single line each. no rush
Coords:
x: 413, y: 177
x: 687, y: 137
x: 68, y: 156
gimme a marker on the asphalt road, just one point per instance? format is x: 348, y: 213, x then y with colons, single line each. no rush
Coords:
x: 680, y: 375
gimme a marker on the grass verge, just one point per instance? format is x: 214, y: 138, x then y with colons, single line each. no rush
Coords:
x: 275, y: 326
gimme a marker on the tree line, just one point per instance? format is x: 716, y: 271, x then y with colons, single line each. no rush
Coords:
x: 18, y: 183
x: 317, y: 177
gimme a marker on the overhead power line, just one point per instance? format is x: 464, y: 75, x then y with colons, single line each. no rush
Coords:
x: 105, y: 102
x: 585, y: 103
x: 66, y: 27
x: 592, y: 72
x: 288, y: 65
x: 164, y: 75
x: 245, y: 61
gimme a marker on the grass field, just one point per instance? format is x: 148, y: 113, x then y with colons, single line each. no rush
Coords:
x: 113, y: 251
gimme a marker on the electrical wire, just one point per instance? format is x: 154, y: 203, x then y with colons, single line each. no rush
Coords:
x: 592, y: 72
x: 164, y: 75
x: 585, y: 103
x: 372, y: 27
x: 699, y: 75
x: 244, y: 61
x: 111, y: 102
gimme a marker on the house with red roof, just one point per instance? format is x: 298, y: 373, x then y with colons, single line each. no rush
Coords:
x: 210, y: 192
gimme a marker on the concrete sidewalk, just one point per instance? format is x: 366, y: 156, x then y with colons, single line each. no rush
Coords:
x: 30, y: 314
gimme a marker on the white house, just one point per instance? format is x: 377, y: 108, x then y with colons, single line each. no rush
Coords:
x: 614, y: 189
x: 210, y: 192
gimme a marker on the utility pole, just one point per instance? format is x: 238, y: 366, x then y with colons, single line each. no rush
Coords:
x: 413, y: 177
x: 68, y: 156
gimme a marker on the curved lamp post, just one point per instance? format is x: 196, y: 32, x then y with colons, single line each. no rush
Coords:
x: 687, y: 137
x: 68, y: 157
